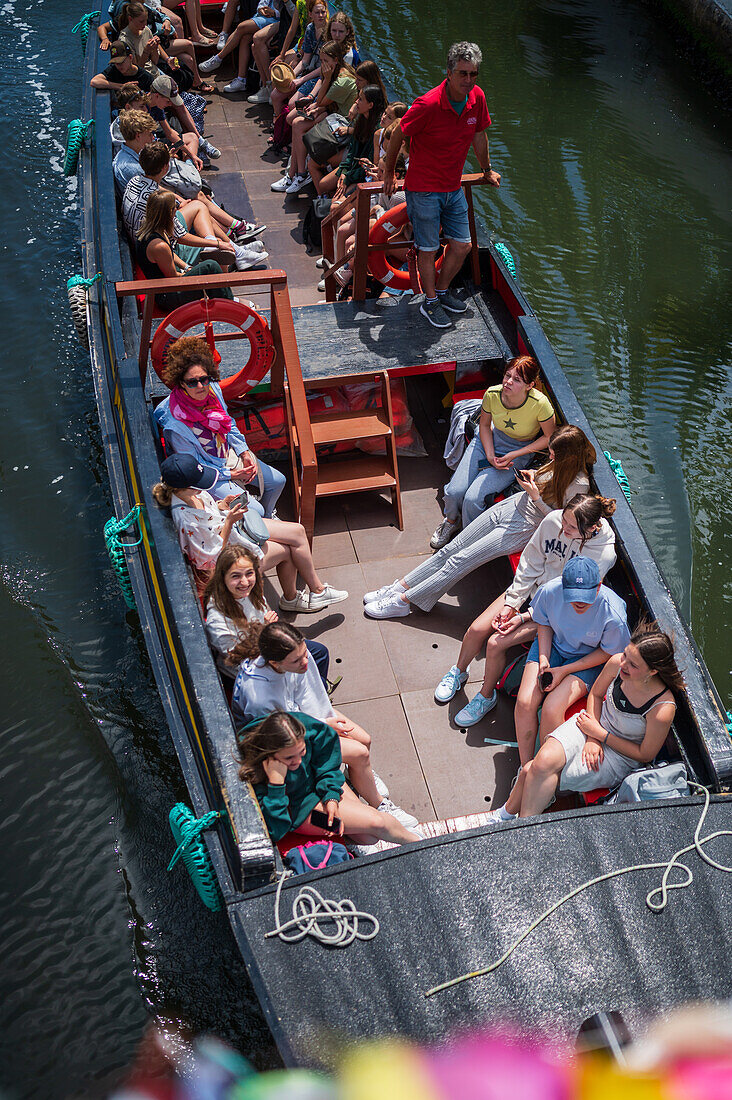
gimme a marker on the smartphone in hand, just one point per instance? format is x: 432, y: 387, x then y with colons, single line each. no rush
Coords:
x: 320, y: 820
x: 545, y: 681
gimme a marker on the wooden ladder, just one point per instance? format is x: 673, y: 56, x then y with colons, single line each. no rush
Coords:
x: 354, y: 473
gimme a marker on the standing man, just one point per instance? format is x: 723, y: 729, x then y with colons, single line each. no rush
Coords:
x: 442, y: 125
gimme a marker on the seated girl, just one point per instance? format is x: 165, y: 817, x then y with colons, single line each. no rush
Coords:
x: 307, y: 69
x: 293, y: 762
x: 341, y: 33
x: 235, y: 604
x: 581, y: 623
x: 195, y: 421
x: 275, y: 674
x: 516, y: 421
x: 627, y: 719
x: 505, y: 528
x: 148, y: 49
x: 350, y: 170
x: 338, y: 93
x: 205, y: 526
x: 581, y: 528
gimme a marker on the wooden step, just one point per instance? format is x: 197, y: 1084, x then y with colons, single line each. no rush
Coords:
x: 355, y: 475
x: 348, y: 426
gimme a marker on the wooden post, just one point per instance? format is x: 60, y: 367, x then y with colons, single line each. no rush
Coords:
x: 474, y: 257
x: 147, y: 320
x: 361, y: 257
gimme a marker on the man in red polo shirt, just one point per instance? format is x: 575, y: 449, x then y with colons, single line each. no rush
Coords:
x: 442, y: 125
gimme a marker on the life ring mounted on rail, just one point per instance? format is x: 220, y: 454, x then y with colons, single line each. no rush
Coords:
x: 379, y: 265
x: 206, y: 311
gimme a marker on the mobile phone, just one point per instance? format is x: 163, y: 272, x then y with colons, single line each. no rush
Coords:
x: 320, y: 820
x: 545, y: 682
x: 522, y: 475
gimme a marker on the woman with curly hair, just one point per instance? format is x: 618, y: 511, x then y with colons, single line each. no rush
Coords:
x: 194, y: 420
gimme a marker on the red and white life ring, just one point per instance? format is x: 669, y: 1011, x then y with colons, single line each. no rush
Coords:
x: 379, y: 265
x: 205, y: 312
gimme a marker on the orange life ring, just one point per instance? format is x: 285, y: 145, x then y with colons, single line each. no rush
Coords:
x: 205, y: 311
x: 379, y: 265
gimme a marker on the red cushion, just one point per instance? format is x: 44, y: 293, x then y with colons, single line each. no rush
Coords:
x: 514, y: 559
x: 140, y: 276
x: 588, y: 797
x: 293, y: 840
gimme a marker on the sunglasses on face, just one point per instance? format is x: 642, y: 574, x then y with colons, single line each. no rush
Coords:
x: 193, y: 383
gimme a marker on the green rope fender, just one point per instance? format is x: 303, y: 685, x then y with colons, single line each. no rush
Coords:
x: 506, y: 256
x: 82, y: 27
x: 75, y: 136
x: 79, y: 280
x: 186, y: 830
x: 617, y: 468
x: 113, y: 529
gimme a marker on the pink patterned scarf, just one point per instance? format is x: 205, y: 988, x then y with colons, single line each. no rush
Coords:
x: 210, y: 419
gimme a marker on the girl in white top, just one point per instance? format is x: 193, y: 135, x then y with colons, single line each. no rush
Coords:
x: 625, y: 724
x: 580, y: 528
x: 205, y: 526
x: 276, y: 674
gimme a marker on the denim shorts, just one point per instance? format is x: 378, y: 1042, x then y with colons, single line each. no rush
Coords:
x: 427, y: 209
x: 263, y: 21
x: 557, y: 659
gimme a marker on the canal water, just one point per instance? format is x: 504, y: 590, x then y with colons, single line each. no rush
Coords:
x: 615, y: 202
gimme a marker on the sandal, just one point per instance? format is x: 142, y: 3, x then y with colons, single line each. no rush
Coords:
x: 203, y: 88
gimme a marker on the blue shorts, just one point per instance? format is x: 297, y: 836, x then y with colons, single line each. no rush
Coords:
x: 263, y: 21
x: 558, y: 660
x: 428, y: 209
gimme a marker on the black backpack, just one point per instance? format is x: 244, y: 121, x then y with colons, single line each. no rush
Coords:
x: 311, y: 234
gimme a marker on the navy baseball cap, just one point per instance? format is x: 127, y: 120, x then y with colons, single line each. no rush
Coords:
x: 184, y: 472
x: 580, y: 578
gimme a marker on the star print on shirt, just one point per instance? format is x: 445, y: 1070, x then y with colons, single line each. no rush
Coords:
x: 509, y: 423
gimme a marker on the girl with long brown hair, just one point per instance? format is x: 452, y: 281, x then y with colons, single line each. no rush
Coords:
x: 504, y: 528
x: 625, y: 724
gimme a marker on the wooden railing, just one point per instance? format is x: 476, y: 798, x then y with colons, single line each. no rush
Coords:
x: 360, y: 201
x: 286, y: 363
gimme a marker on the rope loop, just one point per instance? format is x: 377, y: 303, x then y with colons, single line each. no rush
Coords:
x: 620, y: 475
x: 113, y: 530
x: 76, y: 135
x: 82, y: 27
x: 313, y: 915
x: 505, y: 254
x: 79, y: 280
x: 191, y: 831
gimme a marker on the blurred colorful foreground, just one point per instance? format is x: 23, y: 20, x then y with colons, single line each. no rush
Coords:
x: 687, y: 1056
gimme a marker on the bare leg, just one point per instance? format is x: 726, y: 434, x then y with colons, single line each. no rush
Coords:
x: 175, y: 20
x: 260, y: 50
x: 327, y: 182
x: 278, y: 557
x: 245, y: 51
x: 183, y: 49
x: 299, y: 154
x: 220, y: 216
x: 186, y: 121
x: 495, y: 654
x: 293, y: 537
x: 557, y: 702
x: 477, y: 634
x: 426, y: 268
x: 543, y: 778
x: 513, y: 802
x: 195, y: 22
x: 232, y: 10
x: 365, y: 824
x: 452, y: 262
x: 525, y: 715
x: 356, y: 755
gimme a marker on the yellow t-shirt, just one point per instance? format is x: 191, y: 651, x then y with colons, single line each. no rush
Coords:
x: 522, y: 424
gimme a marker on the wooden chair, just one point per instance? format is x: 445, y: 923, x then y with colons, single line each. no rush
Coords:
x: 354, y: 473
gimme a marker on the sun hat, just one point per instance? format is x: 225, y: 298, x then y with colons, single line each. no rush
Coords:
x: 165, y: 85
x: 580, y: 578
x: 282, y: 75
x: 184, y: 472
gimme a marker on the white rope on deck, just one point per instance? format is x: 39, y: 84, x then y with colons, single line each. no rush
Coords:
x: 311, y: 911
x: 653, y: 903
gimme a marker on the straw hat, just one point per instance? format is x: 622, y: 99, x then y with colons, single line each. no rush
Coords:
x: 282, y: 76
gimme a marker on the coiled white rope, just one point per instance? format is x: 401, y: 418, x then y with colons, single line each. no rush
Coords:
x: 653, y: 903
x: 311, y: 911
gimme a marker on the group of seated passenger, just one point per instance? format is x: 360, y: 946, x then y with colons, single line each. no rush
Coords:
x: 576, y: 626
x: 222, y: 499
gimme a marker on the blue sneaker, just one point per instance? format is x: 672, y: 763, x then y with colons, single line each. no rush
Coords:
x: 450, y: 685
x: 476, y: 709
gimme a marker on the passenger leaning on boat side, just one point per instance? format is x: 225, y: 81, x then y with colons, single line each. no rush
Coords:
x: 148, y: 48
x: 293, y: 762
x: 195, y: 421
x: 235, y: 604
x: 516, y: 421
x: 581, y: 622
x: 581, y: 528
x: 505, y: 528
x: 443, y: 124
x: 625, y: 724
x: 275, y: 674
x: 205, y: 526
x: 138, y: 129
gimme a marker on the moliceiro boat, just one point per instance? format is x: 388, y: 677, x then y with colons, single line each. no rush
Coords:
x: 457, y: 901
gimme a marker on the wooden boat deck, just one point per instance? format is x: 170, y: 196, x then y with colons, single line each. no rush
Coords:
x: 390, y: 669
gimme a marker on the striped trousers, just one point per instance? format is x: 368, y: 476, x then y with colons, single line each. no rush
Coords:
x: 500, y: 530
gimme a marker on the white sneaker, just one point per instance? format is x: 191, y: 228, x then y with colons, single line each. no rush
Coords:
x: 388, y: 607
x: 388, y: 807
x: 381, y: 786
x: 212, y: 64
x: 396, y: 587
x: 298, y: 182
x: 444, y: 533
x: 364, y: 849
x: 238, y: 84
x: 221, y: 40
x: 329, y: 595
x: 321, y: 286
x: 322, y: 263
x: 495, y: 817
x: 474, y: 711
x: 262, y: 96
x: 255, y: 246
x: 450, y: 684
x: 246, y: 258
x: 281, y: 184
